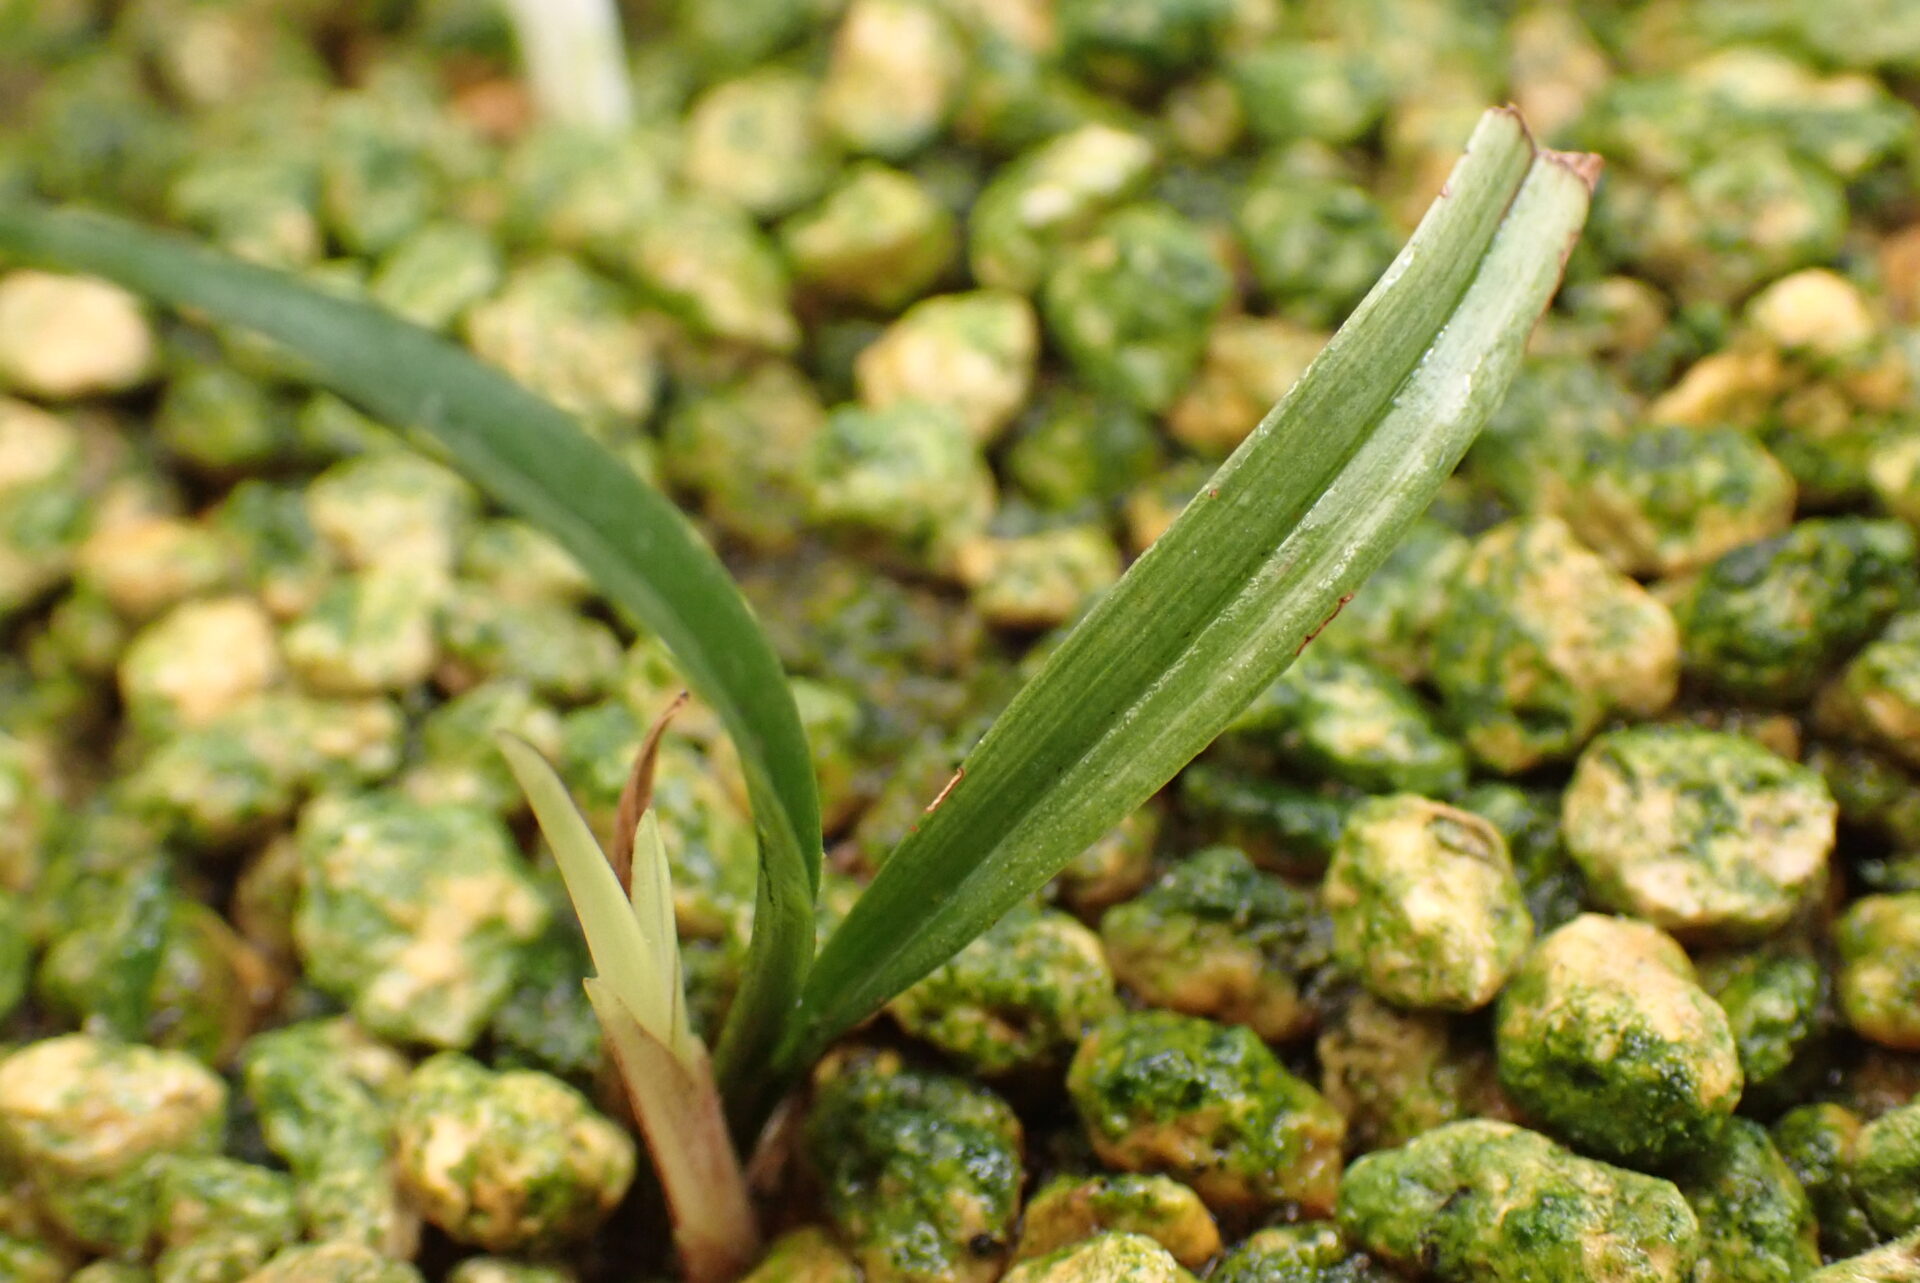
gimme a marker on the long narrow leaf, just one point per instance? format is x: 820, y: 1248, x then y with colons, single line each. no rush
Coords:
x: 533, y: 459
x: 1288, y: 527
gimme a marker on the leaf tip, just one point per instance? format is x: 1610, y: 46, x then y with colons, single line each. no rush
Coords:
x: 1505, y: 117
x: 518, y: 751
x: 1584, y: 165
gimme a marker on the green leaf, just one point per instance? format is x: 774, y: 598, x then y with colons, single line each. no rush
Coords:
x: 534, y: 460
x: 635, y: 959
x: 1290, y: 526
x: 652, y: 901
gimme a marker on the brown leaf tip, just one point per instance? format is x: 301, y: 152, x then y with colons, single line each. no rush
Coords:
x: 1585, y: 165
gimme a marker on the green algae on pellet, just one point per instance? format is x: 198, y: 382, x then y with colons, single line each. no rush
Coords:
x: 1778, y: 1003
x: 910, y: 474
x: 16, y: 953
x: 394, y: 509
x: 878, y: 237
x: 921, y: 1172
x: 509, y: 1161
x: 456, y: 742
x: 755, y: 140
x: 1072, y: 450
x: 1311, y: 1253
x: 218, y: 1220
x: 1488, y: 1202
x: 1604, y: 1037
x: 1703, y: 833
x: 1071, y: 1208
x: 1216, y: 937
x: 1210, y: 1105
x: 1019, y: 997
x: 1282, y: 827
x: 334, y: 1263
x: 1876, y: 697
x: 565, y: 333
x: 1344, y: 719
x: 1897, y: 1262
x: 245, y: 772
x: 325, y: 1093
x: 1108, y: 1255
x: 1426, y: 910
x: 1315, y: 244
x: 200, y: 659
x: 1817, y: 1143
x: 140, y: 959
x: 1766, y: 619
x: 1394, y: 1074
x: 563, y: 655
x: 1391, y: 619
x: 1878, y: 982
x: 87, y: 1122
x: 110, y: 1271
x: 1541, y: 641
x: 1884, y: 1171
x: 974, y: 352
x: 28, y: 1262
x: 893, y: 76
x: 705, y: 262
x: 1130, y: 305
x: 1756, y: 1223
x: 1529, y: 818
x: 43, y: 498
x: 1877, y: 796
x: 367, y: 633
x: 141, y: 567
x: 412, y: 913
x: 1038, y: 580
x: 1669, y: 499
x: 742, y: 443
x: 1049, y: 196
x: 807, y: 1255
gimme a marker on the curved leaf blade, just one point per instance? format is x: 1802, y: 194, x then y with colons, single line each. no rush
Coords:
x: 1292, y: 523
x: 532, y: 458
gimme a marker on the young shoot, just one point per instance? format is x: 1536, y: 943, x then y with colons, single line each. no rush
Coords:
x: 639, y: 996
x: 1269, y: 550
x: 576, y: 61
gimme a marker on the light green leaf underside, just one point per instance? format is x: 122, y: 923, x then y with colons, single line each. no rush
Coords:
x: 1291, y: 524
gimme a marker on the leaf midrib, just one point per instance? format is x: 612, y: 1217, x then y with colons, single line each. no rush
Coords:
x: 1002, y: 783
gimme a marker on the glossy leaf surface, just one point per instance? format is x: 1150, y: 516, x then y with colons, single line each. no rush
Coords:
x: 1288, y: 528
